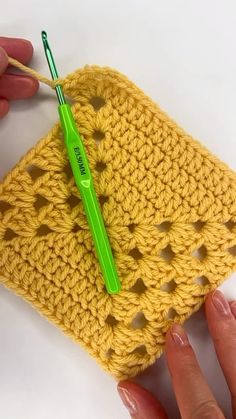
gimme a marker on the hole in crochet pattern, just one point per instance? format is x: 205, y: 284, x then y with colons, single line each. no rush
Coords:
x: 139, y: 321
x: 131, y: 227
x: 135, y: 253
x: 98, y: 136
x: 43, y: 230
x: 230, y: 225
x: 111, y: 320
x: 103, y: 199
x: 232, y: 250
x: 35, y: 172
x: 4, y: 206
x: 73, y: 201
x: 100, y: 166
x: 164, y: 226
x: 167, y: 253
x: 200, y: 253
x: 68, y: 171
x: 76, y: 228
x: 169, y: 286
x: 40, y: 202
x: 140, y: 350
x: 109, y: 353
x: 202, y: 280
x: 9, y: 234
x: 97, y: 102
x: 199, y: 225
x: 171, y: 313
x: 139, y: 287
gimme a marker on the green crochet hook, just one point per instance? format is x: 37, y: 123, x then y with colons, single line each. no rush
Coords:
x: 83, y: 179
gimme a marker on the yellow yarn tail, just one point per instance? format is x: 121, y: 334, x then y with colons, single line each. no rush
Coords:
x: 33, y: 73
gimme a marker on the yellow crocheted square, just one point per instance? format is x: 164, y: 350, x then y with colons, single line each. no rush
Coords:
x: 170, y: 211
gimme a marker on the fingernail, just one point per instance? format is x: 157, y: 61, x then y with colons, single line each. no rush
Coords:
x: 178, y: 335
x: 233, y: 308
x: 220, y: 303
x: 128, y: 400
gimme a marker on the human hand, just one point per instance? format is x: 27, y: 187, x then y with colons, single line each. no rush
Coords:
x: 14, y: 86
x: 194, y: 397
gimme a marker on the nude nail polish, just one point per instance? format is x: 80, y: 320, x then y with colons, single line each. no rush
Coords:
x: 220, y: 303
x: 128, y: 400
x: 178, y: 335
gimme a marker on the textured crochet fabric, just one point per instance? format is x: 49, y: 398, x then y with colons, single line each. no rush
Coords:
x: 170, y: 211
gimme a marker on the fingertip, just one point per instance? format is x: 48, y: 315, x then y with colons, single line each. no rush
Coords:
x: 128, y: 398
x: 4, y: 107
x: 18, y: 48
x: 28, y: 49
x: 29, y: 86
x: 209, y: 304
x: 139, y: 401
x: 32, y: 86
x: 233, y: 308
x: 217, y: 306
x: 209, y: 296
x: 177, y: 336
x: 3, y: 60
x: 17, y: 86
x: 169, y: 343
x: 168, y: 338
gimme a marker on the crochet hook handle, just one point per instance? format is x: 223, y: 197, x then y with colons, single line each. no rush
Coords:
x: 84, y: 182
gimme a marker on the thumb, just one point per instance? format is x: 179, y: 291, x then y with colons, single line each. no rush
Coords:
x: 140, y: 403
x: 3, y: 60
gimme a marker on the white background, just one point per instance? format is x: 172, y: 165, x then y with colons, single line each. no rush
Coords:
x: 182, y: 54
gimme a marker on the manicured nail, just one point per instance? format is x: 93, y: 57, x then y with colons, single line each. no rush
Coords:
x: 233, y: 308
x: 128, y: 400
x: 178, y: 335
x: 220, y: 303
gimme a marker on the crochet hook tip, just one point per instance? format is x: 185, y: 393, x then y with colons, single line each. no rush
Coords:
x: 44, y: 35
x: 48, y: 53
x: 52, y: 66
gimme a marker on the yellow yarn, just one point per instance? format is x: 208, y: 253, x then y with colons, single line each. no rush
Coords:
x: 170, y: 211
x: 32, y: 72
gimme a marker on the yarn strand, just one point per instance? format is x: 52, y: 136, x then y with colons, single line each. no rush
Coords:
x: 33, y: 73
